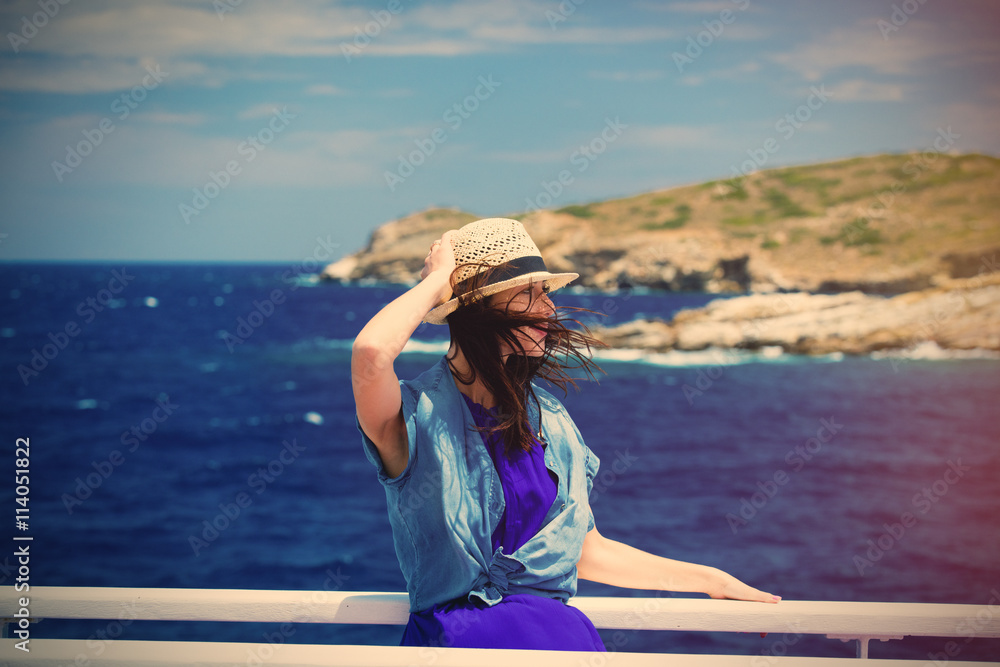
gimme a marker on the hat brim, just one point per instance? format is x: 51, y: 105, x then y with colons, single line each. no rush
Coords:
x: 552, y: 280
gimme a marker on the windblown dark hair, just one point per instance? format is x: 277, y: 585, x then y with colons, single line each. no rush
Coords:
x: 479, y: 329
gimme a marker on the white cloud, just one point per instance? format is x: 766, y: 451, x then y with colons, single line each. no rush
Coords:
x: 93, y: 48
x: 637, y: 75
x: 696, y: 7
x: 975, y: 124
x: 531, y: 34
x: 532, y: 156
x: 670, y: 136
x: 173, y: 156
x: 649, y: 141
x: 738, y: 71
x: 262, y: 110
x: 164, y: 118
x: 324, y: 89
x: 747, y: 33
x: 704, y: 7
x: 91, y: 75
x: 906, y: 52
x: 163, y: 29
x: 860, y: 90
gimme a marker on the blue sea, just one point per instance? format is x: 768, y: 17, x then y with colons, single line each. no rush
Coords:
x: 159, y: 399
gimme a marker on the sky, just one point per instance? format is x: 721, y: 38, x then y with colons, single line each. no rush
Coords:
x: 229, y: 130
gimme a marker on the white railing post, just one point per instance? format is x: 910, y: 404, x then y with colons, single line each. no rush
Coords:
x: 863, y: 641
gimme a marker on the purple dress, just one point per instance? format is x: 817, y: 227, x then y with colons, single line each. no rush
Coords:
x: 520, y: 620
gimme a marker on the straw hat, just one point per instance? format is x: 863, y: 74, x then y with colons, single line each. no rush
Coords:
x: 496, y: 241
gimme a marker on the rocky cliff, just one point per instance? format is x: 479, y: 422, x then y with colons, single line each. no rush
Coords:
x: 819, y: 247
x: 961, y: 314
x: 886, y: 224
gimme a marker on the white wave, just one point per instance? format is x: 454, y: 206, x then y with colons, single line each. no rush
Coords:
x: 674, y: 358
x: 426, y: 346
x: 335, y: 343
x: 712, y: 356
x: 413, y: 346
x: 307, y: 280
x: 929, y: 350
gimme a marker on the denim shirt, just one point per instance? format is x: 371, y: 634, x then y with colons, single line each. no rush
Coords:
x: 446, y: 503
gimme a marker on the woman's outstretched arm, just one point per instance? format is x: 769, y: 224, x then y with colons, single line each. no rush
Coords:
x: 609, y: 562
x: 376, y: 388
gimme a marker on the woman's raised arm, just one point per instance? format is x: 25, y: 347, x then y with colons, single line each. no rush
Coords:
x: 376, y: 388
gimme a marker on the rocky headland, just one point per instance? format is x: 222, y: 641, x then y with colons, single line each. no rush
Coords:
x: 853, y: 256
x: 960, y: 314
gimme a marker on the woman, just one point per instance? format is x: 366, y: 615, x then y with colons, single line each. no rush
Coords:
x: 486, y: 477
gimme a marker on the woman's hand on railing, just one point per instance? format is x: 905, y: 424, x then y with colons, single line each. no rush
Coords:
x: 727, y: 587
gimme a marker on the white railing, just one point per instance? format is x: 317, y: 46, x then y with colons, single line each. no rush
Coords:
x: 860, y: 621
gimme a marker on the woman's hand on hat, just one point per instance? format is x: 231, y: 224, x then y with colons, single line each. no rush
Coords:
x: 441, y: 256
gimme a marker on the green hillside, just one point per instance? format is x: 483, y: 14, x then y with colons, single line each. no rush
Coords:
x: 894, y: 221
